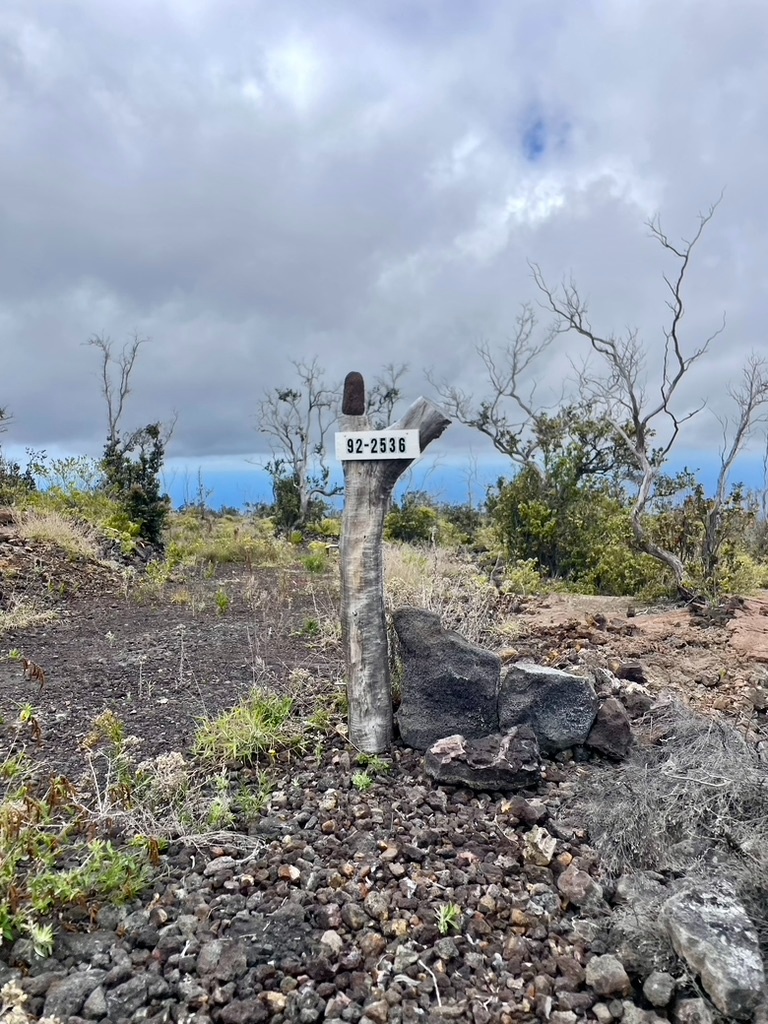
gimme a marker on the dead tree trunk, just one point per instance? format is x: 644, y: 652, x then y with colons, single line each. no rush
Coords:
x: 367, y: 492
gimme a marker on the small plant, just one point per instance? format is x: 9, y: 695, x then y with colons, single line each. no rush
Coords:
x: 108, y: 734
x: 374, y: 763
x: 321, y: 720
x: 257, y: 726
x: 107, y: 726
x: 449, y: 918
x: 220, y: 814
x: 250, y: 801
x: 223, y: 602
x: 42, y: 939
x: 14, y: 767
x: 311, y: 629
x: 50, y: 860
x: 362, y: 781
x: 315, y: 562
x: 53, y: 527
x: 28, y: 717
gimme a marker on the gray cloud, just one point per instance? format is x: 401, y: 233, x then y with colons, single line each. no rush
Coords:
x: 245, y: 182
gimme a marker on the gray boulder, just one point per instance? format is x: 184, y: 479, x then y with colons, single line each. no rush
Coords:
x: 658, y: 988
x: 692, y: 1011
x: 607, y: 976
x: 711, y: 932
x: 492, y: 763
x: 611, y: 733
x: 558, y: 706
x: 449, y: 685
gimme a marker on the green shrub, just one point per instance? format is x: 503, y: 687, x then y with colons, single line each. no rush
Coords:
x: 228, y: 539
x: 15, y: 484
x: 581, y: 535
x: 465, y: 519
x: 522, y: 577
x: 330, y: 528
x: 413, y: 521
x: 132, y: 477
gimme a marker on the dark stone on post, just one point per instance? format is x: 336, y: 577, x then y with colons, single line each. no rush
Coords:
x: 448, y: 683
x: 353, y: 400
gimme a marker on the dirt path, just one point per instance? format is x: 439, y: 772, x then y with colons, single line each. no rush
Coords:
x: 159, y: 663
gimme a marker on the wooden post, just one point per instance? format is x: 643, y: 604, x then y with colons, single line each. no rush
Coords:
x: 368, y: 486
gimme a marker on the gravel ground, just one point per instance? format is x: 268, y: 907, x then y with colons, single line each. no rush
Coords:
x: 327, y: 906
x: 329, y: 910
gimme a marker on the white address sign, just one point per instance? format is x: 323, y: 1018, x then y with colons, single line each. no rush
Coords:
x: 377, y: 444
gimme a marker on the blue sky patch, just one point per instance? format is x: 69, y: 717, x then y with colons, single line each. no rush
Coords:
x: 535, y: 139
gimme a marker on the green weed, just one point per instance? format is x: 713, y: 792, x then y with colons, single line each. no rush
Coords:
x: 449, y: 918
x: 260, y: 725
x: 362, y: 781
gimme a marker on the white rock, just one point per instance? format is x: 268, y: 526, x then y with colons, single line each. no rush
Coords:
x: 692, y: 1011
x: 659, y: 987
x: 332, y: 940
x: 710, y: 930
x: 539, y: 846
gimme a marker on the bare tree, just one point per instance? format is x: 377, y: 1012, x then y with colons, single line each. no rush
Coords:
x: 5, y: 418
x: 384, y: 395
x: 750, y: 398
x: 132, y: 462
x: 621, y: 391
x: 505, y: 417
x: 115, y: 393
x: 297, y: 421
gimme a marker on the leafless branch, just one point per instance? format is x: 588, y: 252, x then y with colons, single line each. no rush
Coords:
x: 169, y: 427
x: 620, y: 390
x: 382, y: 398
x: 509, y: 434
x: 750, y: 397
x: 297, y: 421
x: 115, y: 393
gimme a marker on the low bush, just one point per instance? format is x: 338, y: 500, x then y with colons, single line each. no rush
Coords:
x: 261, y: 724
x: 441, y: 582
x: 228, y: 539
x: 53, y: 527
x: 692, y: 798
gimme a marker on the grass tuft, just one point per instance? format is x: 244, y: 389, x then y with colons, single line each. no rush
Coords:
x: 436, y: 579
x: 260, y: 725
x: 52, y: 527
x: 21, y: 614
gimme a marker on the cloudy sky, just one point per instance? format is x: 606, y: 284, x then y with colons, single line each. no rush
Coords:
x: 245, y: 182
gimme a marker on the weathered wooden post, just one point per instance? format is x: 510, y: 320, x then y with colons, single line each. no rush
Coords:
x: 373, y: 461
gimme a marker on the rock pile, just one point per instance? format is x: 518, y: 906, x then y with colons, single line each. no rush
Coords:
x: 483, y: 724
x: 339, y: 913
